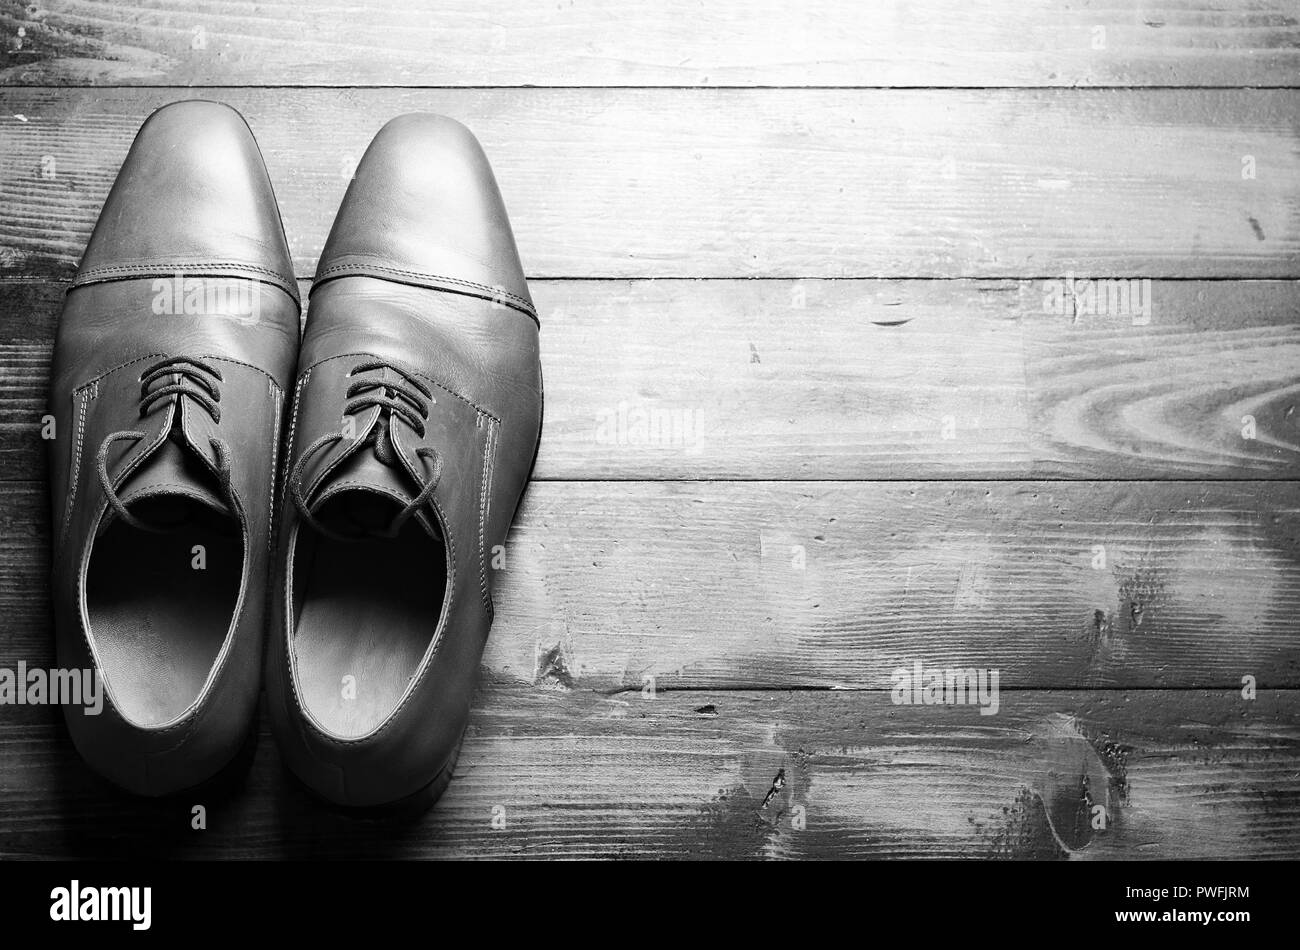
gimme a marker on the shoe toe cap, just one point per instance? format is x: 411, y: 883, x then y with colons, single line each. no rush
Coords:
x: 424, y: 208
x: 193, y: 196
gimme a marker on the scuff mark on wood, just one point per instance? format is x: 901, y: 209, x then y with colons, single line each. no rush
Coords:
x: 778, y: 783
x: 553, y: 668
x: 1022, y: 832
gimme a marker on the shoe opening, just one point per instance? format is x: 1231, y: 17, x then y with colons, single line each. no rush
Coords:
x: 367, y: 603
x: 160, y: 602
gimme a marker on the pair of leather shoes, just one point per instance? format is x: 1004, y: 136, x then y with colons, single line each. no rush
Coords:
x: 209, y: 467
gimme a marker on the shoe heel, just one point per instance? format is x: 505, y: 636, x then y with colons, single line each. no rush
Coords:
x: 409, y: 808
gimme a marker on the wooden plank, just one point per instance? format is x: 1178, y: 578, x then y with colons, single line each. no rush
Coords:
x: 861, y: 379
x: 658, y: 42
x: 837, y: 585
x: 1206, y: 386
x: 751, y: 183
x: 744, y: 775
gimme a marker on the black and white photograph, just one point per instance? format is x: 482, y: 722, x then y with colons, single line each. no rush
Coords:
x: 681, y: 431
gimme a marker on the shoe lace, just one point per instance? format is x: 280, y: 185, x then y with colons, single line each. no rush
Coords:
x: 404, y: 396
x: 184, y: 377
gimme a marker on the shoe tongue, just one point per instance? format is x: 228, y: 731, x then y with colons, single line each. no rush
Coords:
x: 367, y: 489
x: 173, y: 470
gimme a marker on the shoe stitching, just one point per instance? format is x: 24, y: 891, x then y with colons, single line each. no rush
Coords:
x: 489, y: 456
x: 352, y: 482
x: 144, y: 269
x: 361, y: 270
x: 235, y: 362
x: 120, y: 366
x: 293, y: 425
x: 74, y: 474
x: 387, y: 269
x: 277, y: 396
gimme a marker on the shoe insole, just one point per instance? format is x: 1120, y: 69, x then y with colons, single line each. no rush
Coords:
x: 160, y: 605
x: 368, y: 610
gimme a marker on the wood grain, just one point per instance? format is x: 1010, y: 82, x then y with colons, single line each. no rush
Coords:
x: 745, y: 775
x: 622, y: 183
x: 757, y: 498
x: 836, y: 585
x: 860, y: 379
x: 657, y: 42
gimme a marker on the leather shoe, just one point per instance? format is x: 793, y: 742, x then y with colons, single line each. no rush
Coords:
x: 416, y: 418
x: 175, y: 347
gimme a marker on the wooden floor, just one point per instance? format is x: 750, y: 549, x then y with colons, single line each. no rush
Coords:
x: 813, y: 413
